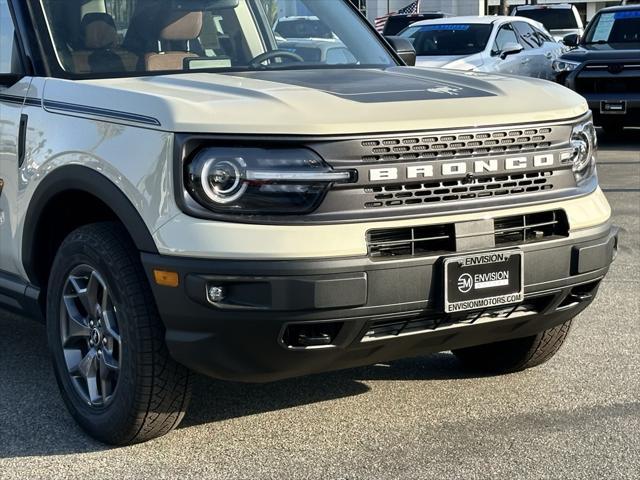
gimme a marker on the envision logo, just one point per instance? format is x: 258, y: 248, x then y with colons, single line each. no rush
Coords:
x: 461, y: 168
x: 465, y: 283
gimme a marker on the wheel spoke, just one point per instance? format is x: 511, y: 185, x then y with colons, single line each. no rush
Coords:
x: 108, y: 363
x: 93, y: 292
x: 88, y: 365
x: 76, y: 324
x: 92, y: 387
x: 81, y: 293
x: 110, y: 325
x: 105, y: 388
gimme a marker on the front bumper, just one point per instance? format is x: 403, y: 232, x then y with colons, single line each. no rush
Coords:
x: 601, y: 101
x: 372, y: 310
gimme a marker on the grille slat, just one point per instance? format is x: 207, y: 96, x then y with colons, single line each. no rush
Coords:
x: 441, y: 191
x: 467, y: 145
x: 441, y: 239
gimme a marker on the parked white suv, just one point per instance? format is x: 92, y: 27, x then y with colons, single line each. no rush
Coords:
x: 560, y: 19
x: 184, y: 196
x: 509, y: 45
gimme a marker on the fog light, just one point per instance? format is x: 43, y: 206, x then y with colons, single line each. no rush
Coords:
x: 215, y: 294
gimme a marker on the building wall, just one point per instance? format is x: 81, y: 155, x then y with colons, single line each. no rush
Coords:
x: 377, y: 8
x: 587, y: 8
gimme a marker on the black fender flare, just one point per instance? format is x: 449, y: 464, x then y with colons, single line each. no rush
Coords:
x: 86, y: 180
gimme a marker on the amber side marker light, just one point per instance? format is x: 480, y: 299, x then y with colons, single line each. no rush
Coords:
x: 166, y: 279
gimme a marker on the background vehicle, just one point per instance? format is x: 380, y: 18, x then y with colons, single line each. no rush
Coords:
x: 302, y: 27
x: 329, y: 52
x: 605, y: 67
x: 559, y: 19
x: 509, y: 45
x: 398, y: 22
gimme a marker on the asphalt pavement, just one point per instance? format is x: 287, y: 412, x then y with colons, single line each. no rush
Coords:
x: 577, y: 416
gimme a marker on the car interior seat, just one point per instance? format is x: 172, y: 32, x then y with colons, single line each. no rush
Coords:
x: 100, y: 51
x: 177, y: 28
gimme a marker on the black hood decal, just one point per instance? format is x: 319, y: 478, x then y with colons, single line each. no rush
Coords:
x: 370, y: 86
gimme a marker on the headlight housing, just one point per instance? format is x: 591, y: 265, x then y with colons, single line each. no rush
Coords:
x: 257, y: 181
x: 585, y: 145
x: 560, y: 66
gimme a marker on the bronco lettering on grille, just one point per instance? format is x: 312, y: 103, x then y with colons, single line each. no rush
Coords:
x: 461, y: 168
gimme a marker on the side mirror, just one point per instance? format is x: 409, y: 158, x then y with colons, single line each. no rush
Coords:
x: 511, y: 48
x: 571, y: 40
x: 404, y: 48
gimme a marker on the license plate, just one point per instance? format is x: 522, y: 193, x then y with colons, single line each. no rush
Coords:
x: 483, y: 280
x: 613, y: 107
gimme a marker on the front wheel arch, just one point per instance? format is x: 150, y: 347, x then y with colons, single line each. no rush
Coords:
x: 48, y: 220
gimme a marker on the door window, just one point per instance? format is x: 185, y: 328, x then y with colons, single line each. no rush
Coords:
x: 505, y: 35
x: 9, y: 58
x: 528, y: 35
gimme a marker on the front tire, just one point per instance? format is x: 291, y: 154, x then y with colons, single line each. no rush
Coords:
x: 107, y: 340
x: 515, y: 355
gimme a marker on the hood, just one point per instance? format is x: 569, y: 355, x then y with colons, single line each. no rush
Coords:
x: 320, y: 102
x: 604, y: 51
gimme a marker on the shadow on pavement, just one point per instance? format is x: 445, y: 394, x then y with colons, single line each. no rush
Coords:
x: 35, y: 422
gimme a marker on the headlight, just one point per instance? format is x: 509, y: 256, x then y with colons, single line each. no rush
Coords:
x: 560, y: 65
x: 256, y: 181
x: 584, y: 143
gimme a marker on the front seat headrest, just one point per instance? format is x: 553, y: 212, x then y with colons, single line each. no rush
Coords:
x: 99, y: 31
x: 182, y: 26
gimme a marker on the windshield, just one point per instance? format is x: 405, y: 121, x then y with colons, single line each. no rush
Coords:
x: 552, y: 18
x: 449, y: 39
x: 615, y: 27
x: 131, y: 37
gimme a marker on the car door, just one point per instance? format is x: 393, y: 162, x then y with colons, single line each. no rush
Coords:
x: 511, y: 64
x: 13, y: 88
x: 533, y: 64
x: 552, y: 50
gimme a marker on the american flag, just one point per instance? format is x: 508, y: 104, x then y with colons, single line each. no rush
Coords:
x: 408, y: 10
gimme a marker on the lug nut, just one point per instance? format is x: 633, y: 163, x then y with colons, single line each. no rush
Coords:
x: 91, y: 323
x: 104, y: 341
x: 91, y: 343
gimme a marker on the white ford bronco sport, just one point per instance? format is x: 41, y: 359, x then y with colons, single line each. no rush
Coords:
x: 179, y: 194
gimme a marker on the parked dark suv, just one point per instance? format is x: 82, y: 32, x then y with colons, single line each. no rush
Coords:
x: 604, y: 67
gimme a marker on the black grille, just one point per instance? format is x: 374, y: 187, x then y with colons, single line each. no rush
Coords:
x: 397, y: 328
x: 416, y: 241
x: 438, y: 239
x: 531, y: 228
x: 412, y: 194
x: 608, y: 85
x: 457, y: 144
x: 609, y: 78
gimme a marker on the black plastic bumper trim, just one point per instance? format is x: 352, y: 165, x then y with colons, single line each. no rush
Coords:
x: 247, y: 343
